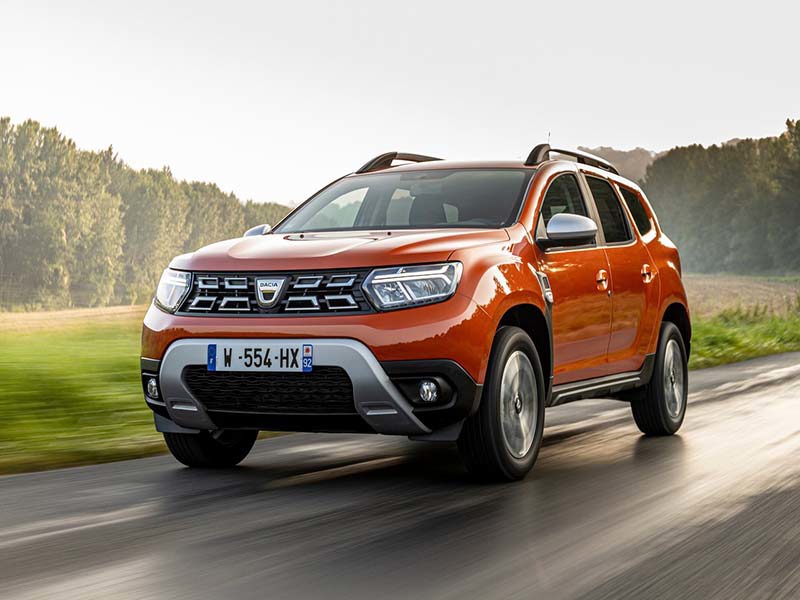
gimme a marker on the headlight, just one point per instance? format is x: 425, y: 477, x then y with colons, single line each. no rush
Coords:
x: 402, y: 287
x: 172, y: 289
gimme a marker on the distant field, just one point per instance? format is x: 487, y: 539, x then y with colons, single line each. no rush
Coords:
x: 22, y: 322
x: 70, y: 391
x: 712, y: 294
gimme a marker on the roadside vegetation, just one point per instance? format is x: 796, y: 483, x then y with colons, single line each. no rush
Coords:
x: 738, y: 334
x: 70, y: 391
x: 736, y: 317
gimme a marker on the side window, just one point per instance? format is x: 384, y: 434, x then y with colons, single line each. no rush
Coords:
x: 339, y: 213
x: 638, y: 212
x: 612, y: 217
x: 563, y: 196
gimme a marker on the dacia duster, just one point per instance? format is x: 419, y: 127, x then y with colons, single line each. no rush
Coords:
x: 442, y: 301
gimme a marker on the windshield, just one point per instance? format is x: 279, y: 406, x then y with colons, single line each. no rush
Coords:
x: 488, y: 198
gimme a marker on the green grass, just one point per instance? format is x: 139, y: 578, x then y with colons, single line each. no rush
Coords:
x: 72, y: 396
x: 739, y: 334
x: 70, y: 391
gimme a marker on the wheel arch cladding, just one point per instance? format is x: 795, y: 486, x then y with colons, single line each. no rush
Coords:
x: 676, y: 313
x: 532, y: 321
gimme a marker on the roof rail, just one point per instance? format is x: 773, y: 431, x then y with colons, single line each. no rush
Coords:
x: 542, y: 152
x: 384, y: 161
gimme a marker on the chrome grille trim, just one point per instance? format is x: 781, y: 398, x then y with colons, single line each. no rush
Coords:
x: 307, y: 282
x: 301, y: 303
x: 350, y: 303
x: 236, y: 283
x: 304, y: 293
x: 341, y: 281
x: 229, y: 303
x: 208, y: 283
x: 196, y: 303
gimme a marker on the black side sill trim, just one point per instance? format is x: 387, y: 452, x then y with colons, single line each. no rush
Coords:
x: 603, y: 387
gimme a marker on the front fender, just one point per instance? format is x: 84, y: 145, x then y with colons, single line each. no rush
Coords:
x: 497, y: 280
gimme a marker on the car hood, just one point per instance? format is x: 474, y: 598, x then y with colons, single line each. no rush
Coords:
x: 335, y: 250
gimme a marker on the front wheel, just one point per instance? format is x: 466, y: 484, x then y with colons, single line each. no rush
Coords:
x: 501, y: 441
x: 660, y: 406
x: 211, y: 449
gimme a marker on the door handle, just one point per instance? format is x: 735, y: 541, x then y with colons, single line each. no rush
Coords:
x: 647, y: 273
x: 602, y: 280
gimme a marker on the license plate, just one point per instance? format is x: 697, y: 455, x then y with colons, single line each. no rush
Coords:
x: 254, y: 356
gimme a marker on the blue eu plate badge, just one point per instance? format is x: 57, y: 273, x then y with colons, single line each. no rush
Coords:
x: 212, y: 357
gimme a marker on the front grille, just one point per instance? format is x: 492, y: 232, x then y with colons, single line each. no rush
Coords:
x: 262, y: 294
x: 325, y: 390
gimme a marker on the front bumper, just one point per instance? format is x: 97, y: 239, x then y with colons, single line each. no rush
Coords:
x: 381, y: 393
x: 457, y: 330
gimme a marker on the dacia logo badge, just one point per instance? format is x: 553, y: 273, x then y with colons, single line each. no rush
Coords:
x: 268, y: 291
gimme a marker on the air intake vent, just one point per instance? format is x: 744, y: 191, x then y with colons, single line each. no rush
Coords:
x: 276, y: 294
x: 326, y: 390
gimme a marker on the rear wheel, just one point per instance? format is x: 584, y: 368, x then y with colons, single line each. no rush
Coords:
x: 501, y: 441
x: 211, y: 449
x: 660, y: 406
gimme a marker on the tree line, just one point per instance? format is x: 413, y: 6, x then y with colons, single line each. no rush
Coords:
x: 733, y: 207
x: 80, y: 228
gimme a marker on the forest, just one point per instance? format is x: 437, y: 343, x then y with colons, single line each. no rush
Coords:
x: 82, y: 228
x: 732, y: 208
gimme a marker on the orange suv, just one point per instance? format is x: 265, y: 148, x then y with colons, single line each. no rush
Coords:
x: 443, y: 301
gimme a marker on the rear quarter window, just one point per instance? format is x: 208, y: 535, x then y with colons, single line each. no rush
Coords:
x: 637, y: 209
x: 612, y: 217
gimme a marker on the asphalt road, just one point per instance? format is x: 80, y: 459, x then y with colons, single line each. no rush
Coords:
x: 713, y: 512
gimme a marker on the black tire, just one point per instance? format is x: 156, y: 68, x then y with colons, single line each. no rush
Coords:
x: 483, y: 444
x: 654, y: 408
x: 207, y: 450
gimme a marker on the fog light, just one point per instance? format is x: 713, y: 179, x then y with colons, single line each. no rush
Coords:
x: 152, y: 388
x: 428, y: 390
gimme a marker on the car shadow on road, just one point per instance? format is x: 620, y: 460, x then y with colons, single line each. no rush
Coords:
x: 376, y: 463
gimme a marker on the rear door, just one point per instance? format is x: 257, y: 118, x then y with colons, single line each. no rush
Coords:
x: 579, y: 281
x: 634, y: 282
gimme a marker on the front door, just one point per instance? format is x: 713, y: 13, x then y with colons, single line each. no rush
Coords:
x: 580, y: 280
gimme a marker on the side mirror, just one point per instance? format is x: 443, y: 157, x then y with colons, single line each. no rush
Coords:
x: 258, y: 230
x: 565, y: 229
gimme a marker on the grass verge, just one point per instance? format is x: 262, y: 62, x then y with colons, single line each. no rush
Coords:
x: 70, y: 391
x: 739, y: 334
x: 70, y: 395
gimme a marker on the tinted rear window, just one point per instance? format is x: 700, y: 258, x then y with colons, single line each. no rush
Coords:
x: 638, y: 212
x: 612, y: 217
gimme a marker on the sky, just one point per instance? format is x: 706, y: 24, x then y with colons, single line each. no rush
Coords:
x: 272, y: 100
